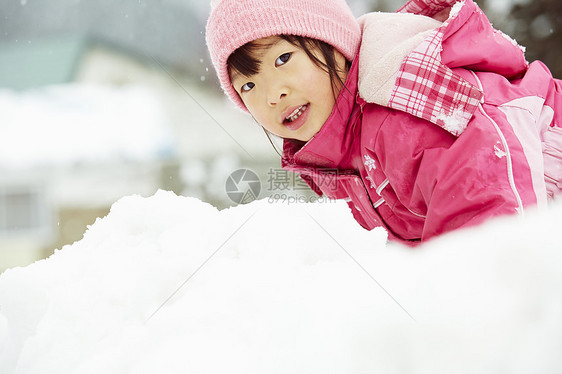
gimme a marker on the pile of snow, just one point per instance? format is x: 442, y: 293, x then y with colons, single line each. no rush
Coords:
x: 70, y: 124
x: 279, y: 288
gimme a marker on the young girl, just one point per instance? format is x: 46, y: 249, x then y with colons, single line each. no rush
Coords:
x: 425, y: 120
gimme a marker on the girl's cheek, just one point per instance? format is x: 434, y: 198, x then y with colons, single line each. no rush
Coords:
x: 253, y: 108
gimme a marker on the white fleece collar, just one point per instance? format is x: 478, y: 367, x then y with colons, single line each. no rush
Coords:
x: 387, y: 39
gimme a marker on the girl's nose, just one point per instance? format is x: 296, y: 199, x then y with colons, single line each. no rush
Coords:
x: 276, y: 95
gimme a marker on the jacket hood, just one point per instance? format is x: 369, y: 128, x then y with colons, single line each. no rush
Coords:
x: 387, y: 39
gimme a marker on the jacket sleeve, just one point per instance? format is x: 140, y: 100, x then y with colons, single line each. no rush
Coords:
x: 451, y: 182
x: 469, y: 39
x: 465, y: 190
x: 472, y: 43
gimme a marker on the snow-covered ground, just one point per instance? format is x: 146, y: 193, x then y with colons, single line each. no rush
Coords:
x: 285, y: 288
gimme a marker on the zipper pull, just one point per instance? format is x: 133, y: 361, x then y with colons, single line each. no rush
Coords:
x: 359, y: 100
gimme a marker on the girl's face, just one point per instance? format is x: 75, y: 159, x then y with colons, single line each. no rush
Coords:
x: 290, y: 96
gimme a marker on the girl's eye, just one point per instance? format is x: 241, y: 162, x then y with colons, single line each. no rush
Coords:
x: 282, y: 59
x: 247, y: 87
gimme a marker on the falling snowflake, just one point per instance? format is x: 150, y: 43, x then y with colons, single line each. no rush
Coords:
x: 498, y: 151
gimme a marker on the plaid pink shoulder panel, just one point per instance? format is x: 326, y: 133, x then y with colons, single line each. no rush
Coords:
x: 430, y: 90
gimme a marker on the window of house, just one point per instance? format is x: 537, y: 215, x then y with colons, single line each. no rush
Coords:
x: 24, y: 209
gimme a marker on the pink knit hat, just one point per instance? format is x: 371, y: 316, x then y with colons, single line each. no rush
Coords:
x: 233, y: 23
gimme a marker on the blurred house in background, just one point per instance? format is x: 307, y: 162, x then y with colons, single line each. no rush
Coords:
x: 84, y: 122
x: 69, y: 59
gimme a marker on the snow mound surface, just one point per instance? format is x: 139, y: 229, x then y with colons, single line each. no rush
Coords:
x: 277, y: 288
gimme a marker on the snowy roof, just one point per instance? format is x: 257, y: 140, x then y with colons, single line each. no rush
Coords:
x: 69, y: 124
x: 24, y: 64
x: 27, y: 64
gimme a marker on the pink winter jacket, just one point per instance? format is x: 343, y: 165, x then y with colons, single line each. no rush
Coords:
x: 442, y: 125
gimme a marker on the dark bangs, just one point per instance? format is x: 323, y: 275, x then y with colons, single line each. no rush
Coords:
x: 245, y: 60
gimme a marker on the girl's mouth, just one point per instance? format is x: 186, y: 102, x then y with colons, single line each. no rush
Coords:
x: 297, y: 117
